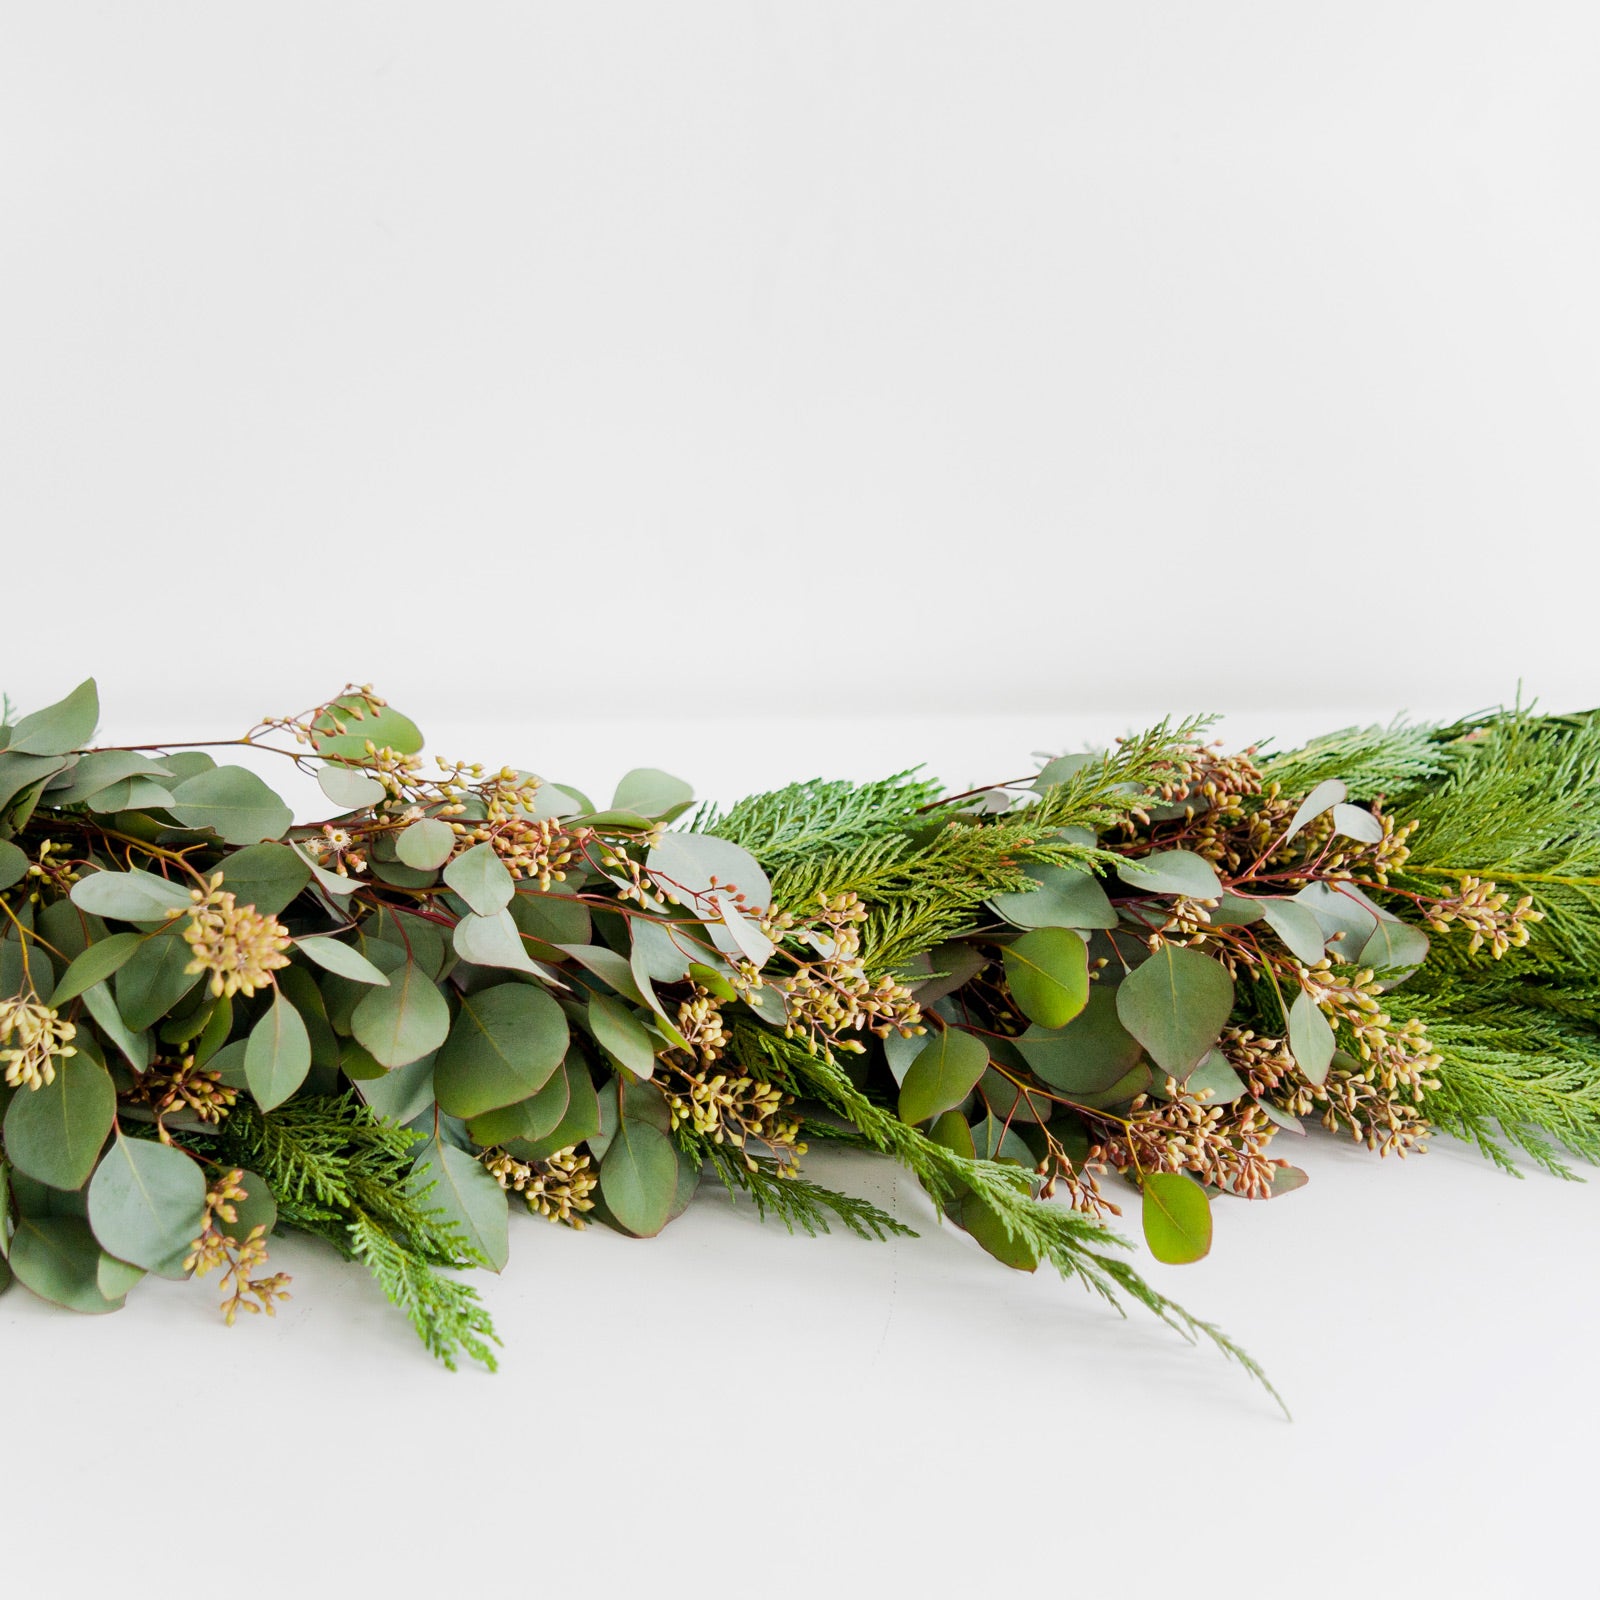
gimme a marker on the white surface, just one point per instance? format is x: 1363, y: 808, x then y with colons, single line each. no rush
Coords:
x: 572, y: 372
x: 830, y: 355
x: 927, y: 1418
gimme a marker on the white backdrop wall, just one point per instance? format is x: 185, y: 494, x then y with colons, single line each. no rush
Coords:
x: 829, y: 358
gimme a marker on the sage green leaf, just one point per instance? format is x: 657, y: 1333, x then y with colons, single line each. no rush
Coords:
x: 13, y: 864
x: 1394, y: 947
x: 278, y: 1056
x: 58, y: 730
x: 137, y: 1047
x: 989, y: 1228
x: 259, y: 1208
x: 1311, y: 1039
x: 1176, y: 1004
x: 1286, y: 1179
x: 557, y: 919
x: 1010, y: 1100
x: 1347, y: 916
x: 115, y: 1278
x: 268, y: 876
x: 1300, y: 931
x: 153, y: 980
x: 1176, y: 1216
x: 1173, y: 872
x: 944, y: 1073
x: 403, y: 1021
x: 334, y: 955
x: 900, y: 1051
x: 1089, y: 1055
x: 458, y: 1185
x: 19, y: 773
x: 401, y: 1093
x: 686, y: 865
x: 713, y: 982
x: 54, y: 1133
x: 621, y: 1035
x: 58, y: 1259
x: 650, y: 793
x: 97, y: 963
x: 1058, y: 770
x: 495, y: 941
x: 503, y: 1047
x: 579, y: 1122
x: 1358, y: 824
x: 954, y: 1132
x: 348, y: 787
x: 1215, y: 1075
x: 532, y: 1118
x: 639, y: 1177
x: 1324, y: 797
x: 479, y: 876
x: 612, y: 969
x: 1236, y: 910
x: 654, y: 954
x: 134, y: 896
x: 386, y: 729
x: 147, y: 1204
x: 234, y: 803
x: 132, y: 794
x: 98, y: 770
x: 1048, y: 974
x: 426, y: 845
x: 951, y: 964
x: 993, y: 1140
x: 1065, y: 898
x: 335, y: 883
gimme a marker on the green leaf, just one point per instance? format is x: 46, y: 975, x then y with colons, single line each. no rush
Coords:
x: 688, y: 864
x: 427, y: 844
x: 58, y: 730
x: 1355, y: 823
x: 115, y: 1278
x: 334, y: 955
x: 1216, y: 1074
x: 13, y: 864
x: 54, y: 1133
x: 985, y: 1224
x: 58, y: 1259
x: 1394, y: 946
x: 503, y: 1047
x: 234, y: 803
x: 1176, y: 1004
x: 1177, y: 1218
x: 1236, y: 910
x: 153, y: 980
x: 258, y: 1208
x: 147, y: 1204
x: 98, y: 770
x: 479, y: 876
x: 386, y: 728
x: 278, y: 1056
x: 1324, y: 797
x: 349, y: 788
x: 406, y: 1020
x: 1173, y: 872
x: 1311, y: 1039
x: 1066, y: 898
x: 579, y: 1122
x: 402, y: 1093
x: 943, y: 1074
x: 639, y: 1177
x: 18, y: 773
x: 1048, y: 973
x: 268, y: 876
x: 529, y: 1119
x: 103, y: 1008
x: 1088, y: 1056
x: 621, y: 1035
x: 494, y: 942
x: 133, y: 896
x: 1300, y: 931
x: 650, y: 793
x: 469, y: 1197
x: 97, y: 963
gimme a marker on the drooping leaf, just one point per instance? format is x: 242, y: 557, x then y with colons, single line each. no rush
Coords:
x: 334, y: 955
x: 479, y: 876
x: 639, y: 1177
x: 54, y: 1133
x: 60, y: 728
x: 1065, y: 898
x: 495, y: 941
x: 134, y: 896
x: 234, y: 803
x: 459, y: 1185
x: 942, y: 1075
x: 621, y: 1035
x: 102, y: 1006
x: 1356, y: 823
x: 1327, y: 794
x: 59, y: 1260
x: 146, y: 1204
x: 1173, y: 872
x: 1311, y: 1039
x: 528, y: 1119
x: 1175, y: 1004
x: 97, y: 963
x: 1215, y: 1076
x: 985, y: 1224
x: 503, y: 1047
x: 407, y: 1019
x: 1176, y: 1217
x: 1048, y: 974
x: 278, y: 1056
x: 1394, y: 947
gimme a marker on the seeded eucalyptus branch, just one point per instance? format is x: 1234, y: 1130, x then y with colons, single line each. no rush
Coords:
x: 1124, y: 976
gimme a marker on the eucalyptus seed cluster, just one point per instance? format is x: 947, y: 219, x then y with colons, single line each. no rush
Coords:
x: 732, y: 1109
x: 216, y: 1247
x: 1483, y: 909
x: 237, y: 945
x: 52, y: 875
x: 173, y: 1086
x: 557, y: 1188
x: 35, y: 1038
x: 1221, y: 1145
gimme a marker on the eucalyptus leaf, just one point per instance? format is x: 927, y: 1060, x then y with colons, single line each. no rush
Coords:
x: 407, y: 1019
x: 59, y: 1260
x: 1311, y: 1039
x: 1047, y: 971
x: 1176, y: 1004
x: 334, y: 955
x: 278, y: 1056
x: 942, y: 1075
x: 639, y: 1177
x: 13, y: 864
x: 348, y: 787
x: 147, y: 1204
x: 1087, y: 1056
x: 234, y: 803
x: 479, y: 876
x: 153, y: 980
x: 54, y: 1133
x: 650, y: 793
x: 459, y: 1186
x: 1173, y: 872
x: 133, y: 896
x: 621, y: 1035
x: 505, y: 1043
x: 1065, y: 898
x: 97, y: 963
x: 268, y: 876
x: 385, y: 729
x: 60, y: 728
x: 1297, y: 926
x: 427, y: 844
x: 1356, y: 823
x: 1176, y: 1217
x: 1394, y: 947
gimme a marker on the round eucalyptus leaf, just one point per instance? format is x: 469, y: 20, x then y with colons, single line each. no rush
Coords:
x: 503, y: 1046
x: 60, y: 728
x: 460, y: 1186
x: 13, y: 864
x: 59, y: 1260
x: 686, y: 865
x: 133, y: 896
x: 385, y: 729
x: 54, y: 1133
x: 348, y: 787
x: 1394, y: 947
x: 1356, y: 823
x: 650, y: 793
x: 234, y: 803
x: 1065, y: 898
x: 1089, y: 1055
x: 942, y: 1075
x: 1176, y: 1217
x: 278, y: 1055
x: 1175, y: 1004
x: 1297, y: 926
x: 268, y: 876
x: 1215, y: 1075
x: 1173, y: 872
x: 479, y: 876
x: 146, y: 1204
x: 406, y: 1020
x: 1047, y: 971
x: 426, y: 845
x: 639, y: 1177
x: 153, y: 980
x: 989, y: 1228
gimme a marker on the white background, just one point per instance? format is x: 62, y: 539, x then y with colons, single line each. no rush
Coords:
x: 763, y: 390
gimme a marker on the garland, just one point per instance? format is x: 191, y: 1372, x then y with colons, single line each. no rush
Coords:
x: 468, y: 985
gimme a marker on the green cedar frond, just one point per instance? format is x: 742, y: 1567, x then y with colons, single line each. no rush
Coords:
x: 798, y: 1202
x: 1369, y: 761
